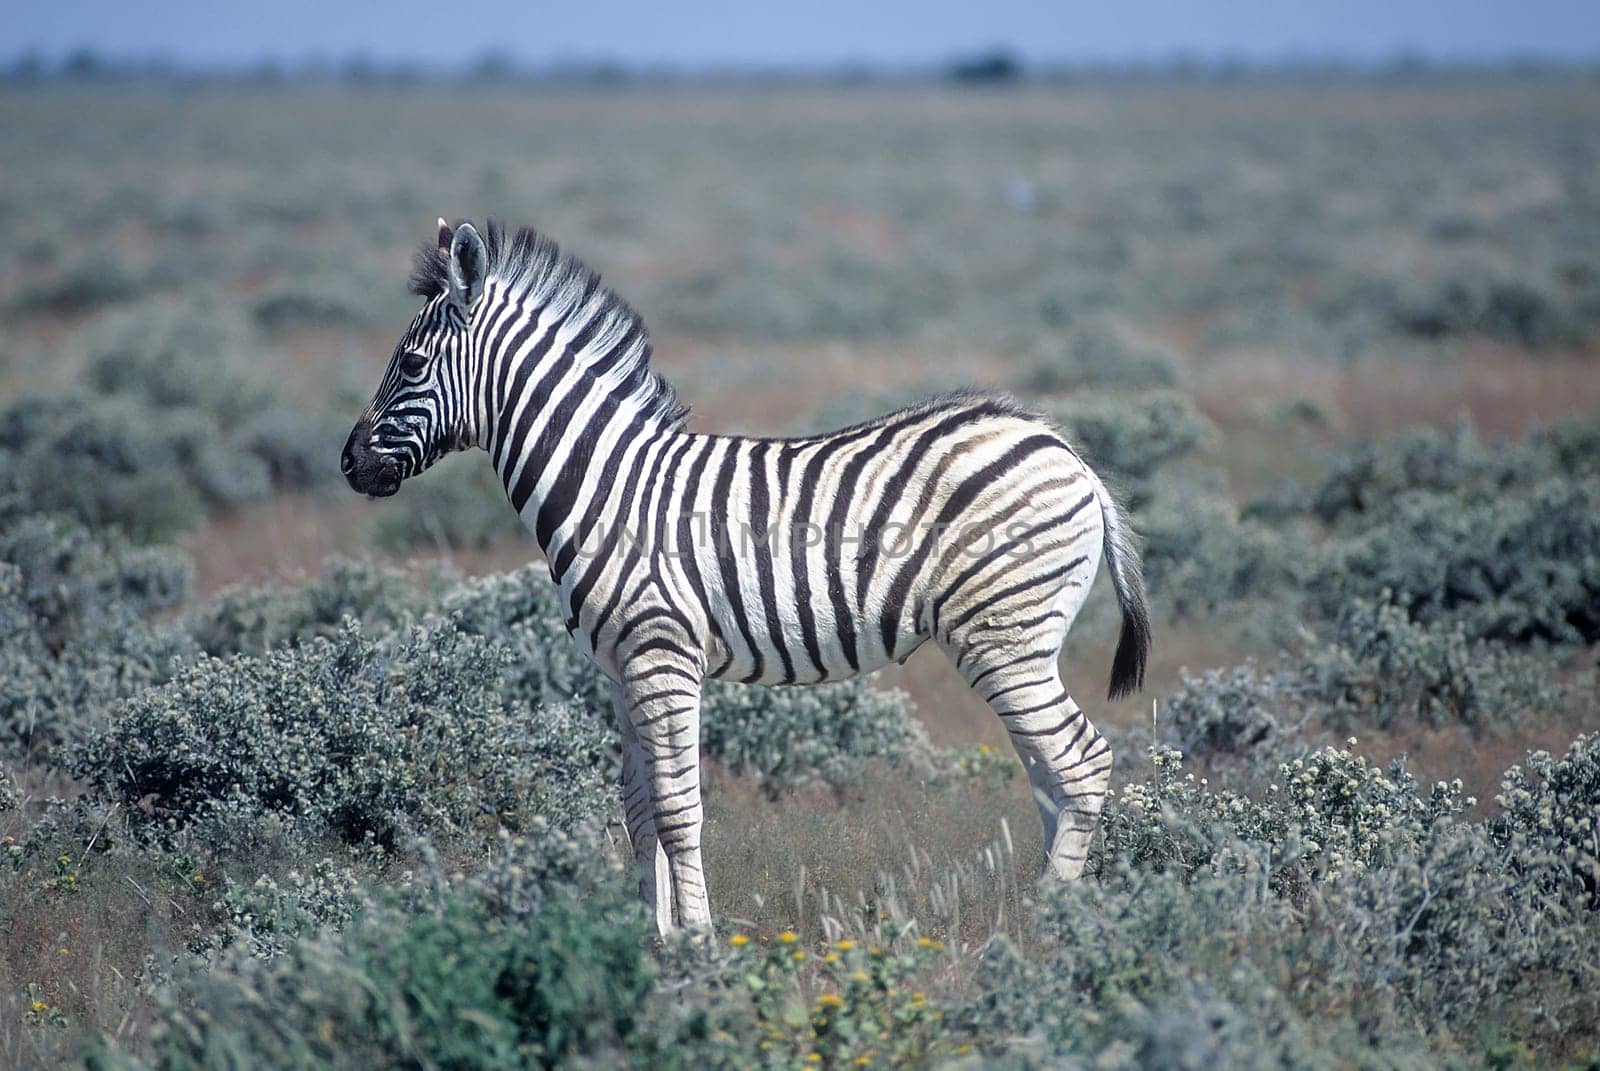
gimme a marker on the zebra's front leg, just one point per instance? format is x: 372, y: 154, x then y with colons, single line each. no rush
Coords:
x: 662, y: 701
x: 638, y: 815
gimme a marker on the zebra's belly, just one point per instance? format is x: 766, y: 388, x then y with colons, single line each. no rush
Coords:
x: 754, y: 657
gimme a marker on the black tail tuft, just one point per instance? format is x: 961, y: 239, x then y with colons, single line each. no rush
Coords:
x: 1133, y: 650
x: 1122, y: 555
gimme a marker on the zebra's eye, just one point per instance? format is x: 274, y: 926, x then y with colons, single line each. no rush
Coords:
x: 413, y: 363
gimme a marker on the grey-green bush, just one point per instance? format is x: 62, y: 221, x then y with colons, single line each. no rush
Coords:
x: 345, y: 739
x: 254, y: 620
x: 75, y: 633
x: 1382, y: 667
x: 1097, y: 355
x: 785, y: 736
x: 1342, y: 906
x: 457, y: 507
x: 538, y: 961
x: 1551, y: 819
x: 1129, y: 438
x: 110, y: 460
x: 1235, y: 711
x: 829, y: 733
x: 1513, y: 568
x: 1368, y: 479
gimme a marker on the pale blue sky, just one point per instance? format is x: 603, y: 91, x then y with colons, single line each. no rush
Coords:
x: 750, y: 32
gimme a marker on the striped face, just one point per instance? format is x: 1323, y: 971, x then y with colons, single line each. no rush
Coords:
x: 419, y: 412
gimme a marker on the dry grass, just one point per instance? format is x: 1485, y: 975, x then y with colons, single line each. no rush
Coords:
x: 961, y: 858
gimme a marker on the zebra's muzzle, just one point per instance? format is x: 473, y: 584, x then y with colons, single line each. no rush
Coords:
x: 367, y: 471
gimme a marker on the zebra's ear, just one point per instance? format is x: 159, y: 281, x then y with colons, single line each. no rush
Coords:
x: 445, y: 235
x: 469, y: 263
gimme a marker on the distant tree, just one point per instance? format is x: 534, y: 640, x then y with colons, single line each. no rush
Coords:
x: 994, y: 67
x: 83, y: 63
x: 494, y: 65
x: 27, y: 67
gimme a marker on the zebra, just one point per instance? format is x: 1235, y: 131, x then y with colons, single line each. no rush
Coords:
x: 680, y: 556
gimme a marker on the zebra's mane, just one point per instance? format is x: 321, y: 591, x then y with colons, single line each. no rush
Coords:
x: 532, y: 268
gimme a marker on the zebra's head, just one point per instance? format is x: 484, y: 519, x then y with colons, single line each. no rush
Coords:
x: 421, y: 409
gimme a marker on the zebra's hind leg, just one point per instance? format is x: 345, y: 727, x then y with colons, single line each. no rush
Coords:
x: 1067, y: 760
x: 638, y: 815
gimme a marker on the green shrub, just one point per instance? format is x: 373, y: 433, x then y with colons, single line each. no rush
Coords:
x: 242, y: 620
x: 299, y: 448
x: 1550, y: 820
x: 196, y: 356
x: 342, y: 738
x: 1508, y: 568
x: 1128, y: 439
x: 81, y: 289
x: 1527, y: 312
x: 74, y: 629
x: 1453, y: 932
x: 453, y: 508
x: 267, y: 916
x: 1381, y: 667
x: 1378, y: 668
x: 1346, y: 917
x: 1097, y: 355
x: 72, y: 578
x: 1200, y: 556
x: 112, y: 461
x: 1324, y: 813
x: 829, y: 733
x: 785, y: 736
x: 181, y: 355
x: 170, y: 430
x: 538, y: 961
x: 1368, y: 480
x: 1238, y: 711
x: 518, y: 611
x: 778, y: 1004
x: 294, y: 307
x: 1149, y: 974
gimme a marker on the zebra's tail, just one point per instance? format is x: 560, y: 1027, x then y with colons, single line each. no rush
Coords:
x: 1127, y: 578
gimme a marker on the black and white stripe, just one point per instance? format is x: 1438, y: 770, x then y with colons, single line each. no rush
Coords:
x: 680, y: 556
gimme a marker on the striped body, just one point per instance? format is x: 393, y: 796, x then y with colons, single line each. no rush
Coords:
x: 795, y: 561
x: 680, y: 556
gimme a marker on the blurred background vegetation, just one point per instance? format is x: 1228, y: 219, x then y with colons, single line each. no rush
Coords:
x: 1335, y: 337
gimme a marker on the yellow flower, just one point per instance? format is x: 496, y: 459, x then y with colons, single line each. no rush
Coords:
x: 788, y: 937
x: 863, y: 1061
x: 846, y: 945
x: 831, y: 1000
x: 919, y: 997
x: 862, y: 976
x: 831, y: 957
x: 63, y: 950
x: 962, y: 1050
x: 39, y: 1005
x: 874, y: 951
x: 813, y: 1057
x: 799, y: 954
x: 985, y: 749
x: 72, y: 878
x: 930, y: 943
x: 738, y: 940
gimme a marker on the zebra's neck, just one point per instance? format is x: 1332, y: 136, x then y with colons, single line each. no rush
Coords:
x: 566, y: 387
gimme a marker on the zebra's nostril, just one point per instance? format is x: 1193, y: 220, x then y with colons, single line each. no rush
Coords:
x: 345, y: 464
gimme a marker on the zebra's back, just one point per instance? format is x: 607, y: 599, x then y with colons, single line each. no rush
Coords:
x: 817, y: 558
